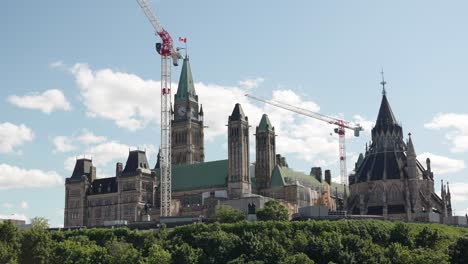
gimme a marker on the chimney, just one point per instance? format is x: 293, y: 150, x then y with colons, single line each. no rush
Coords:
x: 93, y: 173
x: 317, y: 173
x: 328, y: 176
x: 118, y: 168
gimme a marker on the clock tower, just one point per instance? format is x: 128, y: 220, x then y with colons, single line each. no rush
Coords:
x: 187, y: 123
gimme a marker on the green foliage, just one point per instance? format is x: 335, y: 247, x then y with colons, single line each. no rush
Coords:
x: 401, y: 233
x: 122, y: 252
x: 71, y: 252
x: 273, y: 211
x: 159, y: 255
x: 40, y: 222
x: 299, y: 258
x: 427, y: 238
x: 344, y: 241
x: 227, y: 214
x: 36, y: 245
x: 458, y: 251
x: 9, y: 242
x: 185, y: 254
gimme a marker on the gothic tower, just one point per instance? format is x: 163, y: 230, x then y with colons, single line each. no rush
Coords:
x: 238, y: 156
x: 265, y: 152
x: 187, y: 124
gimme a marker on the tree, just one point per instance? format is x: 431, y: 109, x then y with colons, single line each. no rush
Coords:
x: 185, y: 254
x: 299, y: 258
x: 228, y: 214
x: 122, y: 252
x: 158, y: 255
x: 458, y: 251
x: 74, y: 252
x: 427, y: 238
x: 400, y: 233
x: 273, y: 211
x: 36, y: 244
x: 9, y: 242
x: 40, y: 222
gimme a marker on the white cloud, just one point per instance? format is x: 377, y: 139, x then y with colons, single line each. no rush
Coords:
x: 89, y: 138
x: 457, y: 129
x: 126, y: 99
x: 441, y: 164
x: 459, y: 191
x: 464, y: 212
x: 251, y: 83
x: 24, y: 205
x: 12, y: 177
x: 14, y: 216
x: 132, y: 103
x: 57, y: 64
x: 12, y: 135
x: 63, y: 144
x: 47, y: 102
x: 7, y: 205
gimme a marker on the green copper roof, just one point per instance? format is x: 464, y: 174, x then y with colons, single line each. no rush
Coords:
x: 186, y: 89
x: 199, y: 175
x: 283, y: 176
x: 265, y: 124
x: 277, y: 179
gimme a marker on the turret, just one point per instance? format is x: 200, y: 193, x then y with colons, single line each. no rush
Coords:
x: 238, y: 154
x: 412, y: 175
x: 265, y: 152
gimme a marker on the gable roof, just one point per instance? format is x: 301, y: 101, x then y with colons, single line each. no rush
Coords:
x: 286, y: 176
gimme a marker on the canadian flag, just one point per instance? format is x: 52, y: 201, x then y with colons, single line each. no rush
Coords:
x: 181, y: 39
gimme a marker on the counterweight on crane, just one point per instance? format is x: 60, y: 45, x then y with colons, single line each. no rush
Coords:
x: 167, y: 51
x: 340, y: 130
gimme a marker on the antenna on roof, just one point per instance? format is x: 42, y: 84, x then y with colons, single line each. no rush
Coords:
x: 383, y: 82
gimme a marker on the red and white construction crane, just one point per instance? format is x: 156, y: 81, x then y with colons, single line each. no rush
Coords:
x: 167, y: 51
x: 340, y: 130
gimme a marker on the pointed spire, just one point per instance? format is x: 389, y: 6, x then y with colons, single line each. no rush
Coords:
x: 385, y: 116
x: 265, y: 124
x: 442, y: 190
x: 186, y: 88
x: 237, y: 113
x: 158, y: 162
x: 448, y: 189
x: 410, y: 151
x: 385, y: 119
x: 201, y: 110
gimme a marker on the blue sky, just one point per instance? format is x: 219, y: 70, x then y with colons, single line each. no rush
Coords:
x: 81, y: 77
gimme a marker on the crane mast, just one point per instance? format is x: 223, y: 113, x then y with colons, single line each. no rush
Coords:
x: 340, y: 130
x: 167, y: 51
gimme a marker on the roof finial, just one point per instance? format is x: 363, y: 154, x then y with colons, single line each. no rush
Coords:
x: 383, y: 82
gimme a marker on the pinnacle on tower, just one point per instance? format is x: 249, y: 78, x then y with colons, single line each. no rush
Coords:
x: 237, y: 113
x: 410, y: 151
x: 186, y: 88
x: 265, y: 124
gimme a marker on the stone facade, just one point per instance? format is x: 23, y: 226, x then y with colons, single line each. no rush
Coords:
x: 390, y: 181
x: 197, y: 186
x: 187, y: 124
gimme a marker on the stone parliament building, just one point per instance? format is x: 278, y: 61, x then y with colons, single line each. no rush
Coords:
x: 387, y: 181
